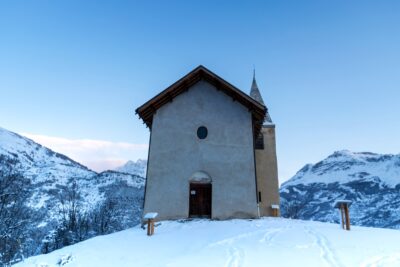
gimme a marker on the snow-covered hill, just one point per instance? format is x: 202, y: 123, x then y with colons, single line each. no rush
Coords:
x: 56, y: 186
x: 137, y: 168
x: 253, y: 243
x: 371, y: 181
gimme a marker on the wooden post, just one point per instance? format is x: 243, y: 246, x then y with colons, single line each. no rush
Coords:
x: 343, y: 206
x: 149, y: 227
x: 275, y: 210
x: 342, y: 214
x: 346, y: 210
x: 150, y: 217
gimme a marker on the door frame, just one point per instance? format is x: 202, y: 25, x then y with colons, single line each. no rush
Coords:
x: 200, y: 184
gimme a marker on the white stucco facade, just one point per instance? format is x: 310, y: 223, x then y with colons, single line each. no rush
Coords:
x: 226, y: 155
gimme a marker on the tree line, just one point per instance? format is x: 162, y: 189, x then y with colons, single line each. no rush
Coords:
x: 19, y: 235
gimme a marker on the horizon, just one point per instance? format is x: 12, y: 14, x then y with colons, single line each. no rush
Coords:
x: 123, y: 163
x: 73, y: 73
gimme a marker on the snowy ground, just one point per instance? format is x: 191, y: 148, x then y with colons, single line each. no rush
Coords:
x: 264, y: 242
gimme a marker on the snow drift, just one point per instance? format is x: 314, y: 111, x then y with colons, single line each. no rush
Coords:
x: 234, y: 243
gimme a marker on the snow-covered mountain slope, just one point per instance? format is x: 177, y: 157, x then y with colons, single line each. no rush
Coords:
x: 262, y: 242
x: 49, y: 171
x: 56, y: 182
x: 40, y: 163
x: 137, y: 168
x: 371, y: 181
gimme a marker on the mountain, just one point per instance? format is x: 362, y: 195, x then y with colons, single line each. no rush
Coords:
x: 262, y: 242
x: 136, y: 168
x: 60, y: 201
x: 371, y: 181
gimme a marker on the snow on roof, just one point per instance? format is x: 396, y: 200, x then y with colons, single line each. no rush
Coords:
x: 150, y: 215
x: 341, y: 201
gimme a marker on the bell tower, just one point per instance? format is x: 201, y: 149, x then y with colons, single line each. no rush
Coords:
x: 266, y: 162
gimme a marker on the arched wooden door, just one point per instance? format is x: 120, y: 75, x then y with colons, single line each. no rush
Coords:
x: 200, y: 200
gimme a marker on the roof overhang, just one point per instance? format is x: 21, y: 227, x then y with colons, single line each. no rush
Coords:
x: 148, y: 109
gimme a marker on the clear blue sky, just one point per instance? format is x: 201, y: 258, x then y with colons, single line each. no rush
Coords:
x: 329, y: 71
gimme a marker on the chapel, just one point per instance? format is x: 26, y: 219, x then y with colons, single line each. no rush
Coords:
x: 212, y: 151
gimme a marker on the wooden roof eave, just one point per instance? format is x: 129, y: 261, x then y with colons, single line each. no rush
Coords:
x: 179, y: 86
x: 148, y: 109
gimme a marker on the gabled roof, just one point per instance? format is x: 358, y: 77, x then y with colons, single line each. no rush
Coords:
x: 148, y: 109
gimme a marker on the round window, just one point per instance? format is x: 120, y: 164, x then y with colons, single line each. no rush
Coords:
x: 202, y: 132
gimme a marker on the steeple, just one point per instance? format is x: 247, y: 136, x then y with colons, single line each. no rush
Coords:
x: 254, y: 92
x: 256, y: 95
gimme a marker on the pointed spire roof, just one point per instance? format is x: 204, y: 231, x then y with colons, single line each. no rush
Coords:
x: 254, y: 92
x: 256, y: 95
